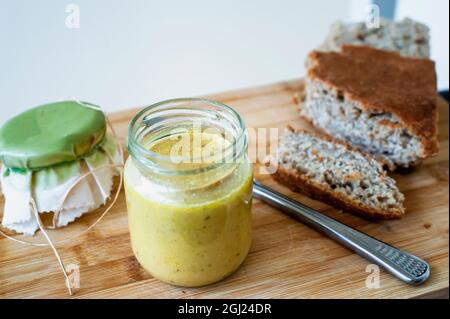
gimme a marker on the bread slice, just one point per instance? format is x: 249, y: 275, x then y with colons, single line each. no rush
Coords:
x: 333, y: 172
x: 408, y: 37
x: 376, y: 100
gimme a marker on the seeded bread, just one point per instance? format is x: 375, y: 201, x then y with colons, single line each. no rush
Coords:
x: 376, y: 100
x: 335, y: 173
x: 407, y: 37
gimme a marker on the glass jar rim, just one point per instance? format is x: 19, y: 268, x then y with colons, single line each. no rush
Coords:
x: 135, y: 147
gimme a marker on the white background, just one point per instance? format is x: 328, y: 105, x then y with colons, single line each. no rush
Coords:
x: 133, y: 53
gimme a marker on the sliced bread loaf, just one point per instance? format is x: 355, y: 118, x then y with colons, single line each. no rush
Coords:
x: 408, y: 37
x: 335, y: 173
x: 376, y: 100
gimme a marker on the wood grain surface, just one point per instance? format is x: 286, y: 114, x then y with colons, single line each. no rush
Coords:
x: 287, y: 259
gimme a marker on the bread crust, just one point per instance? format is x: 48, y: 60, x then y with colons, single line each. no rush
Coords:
x: 383, y: 81
x: 301, y: 183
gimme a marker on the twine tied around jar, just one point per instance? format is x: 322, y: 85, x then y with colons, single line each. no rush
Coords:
x: 57, y: 212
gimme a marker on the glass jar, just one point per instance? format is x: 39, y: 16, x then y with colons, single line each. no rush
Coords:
x: 188, y: 186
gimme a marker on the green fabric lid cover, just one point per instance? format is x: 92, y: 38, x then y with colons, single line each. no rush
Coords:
x: 51, y: 134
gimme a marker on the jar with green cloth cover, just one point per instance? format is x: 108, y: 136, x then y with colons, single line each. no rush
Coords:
x: 60, y: 156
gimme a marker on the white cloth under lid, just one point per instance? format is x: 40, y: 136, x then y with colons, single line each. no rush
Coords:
x: 89, y: 193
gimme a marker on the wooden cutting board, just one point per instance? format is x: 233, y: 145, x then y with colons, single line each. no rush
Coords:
x: 287, y: 259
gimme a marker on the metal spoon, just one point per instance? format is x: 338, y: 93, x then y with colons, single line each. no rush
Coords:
x: 402, y: 265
